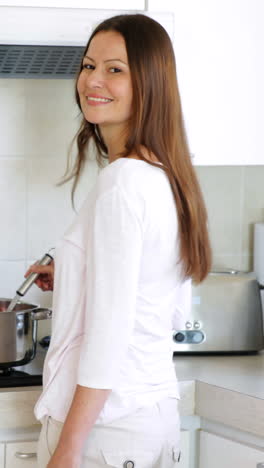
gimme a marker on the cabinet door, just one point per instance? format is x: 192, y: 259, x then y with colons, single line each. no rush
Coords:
x: 2, y: 456
x: 21, y: 455
x: 219, y: 47
x: 185, y: 450
x: 114, y: 5
x: 217, y: 452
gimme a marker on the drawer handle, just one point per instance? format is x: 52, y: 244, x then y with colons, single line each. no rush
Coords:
x: 260, y: 465
x: 24, y: 455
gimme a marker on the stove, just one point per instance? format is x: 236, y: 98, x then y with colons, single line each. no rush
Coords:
x: 24, y: 376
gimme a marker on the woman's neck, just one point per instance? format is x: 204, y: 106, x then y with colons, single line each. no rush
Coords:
x: 114, y: 140
x: 115, y: 143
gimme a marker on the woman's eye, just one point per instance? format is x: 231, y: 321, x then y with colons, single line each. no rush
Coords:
x: 88, y: 66
x: 114, y: 70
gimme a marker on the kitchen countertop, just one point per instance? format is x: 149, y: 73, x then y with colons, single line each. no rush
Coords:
x: 227, y: 390
x: 239, y: 373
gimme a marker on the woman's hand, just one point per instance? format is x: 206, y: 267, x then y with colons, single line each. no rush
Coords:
x: 45, y: 279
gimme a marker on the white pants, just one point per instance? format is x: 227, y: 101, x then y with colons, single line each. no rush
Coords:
x: 148, y: 438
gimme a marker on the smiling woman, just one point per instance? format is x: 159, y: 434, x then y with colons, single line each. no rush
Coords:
x: 123, y: 269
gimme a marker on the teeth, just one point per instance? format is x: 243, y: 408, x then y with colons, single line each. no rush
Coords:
x: 98, y: 99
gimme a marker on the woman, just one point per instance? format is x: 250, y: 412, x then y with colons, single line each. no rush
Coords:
x: 123, y: 269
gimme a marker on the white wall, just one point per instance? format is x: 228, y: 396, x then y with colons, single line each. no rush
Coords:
x: 38, y: 119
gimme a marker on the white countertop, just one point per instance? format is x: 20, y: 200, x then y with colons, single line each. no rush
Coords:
x: 227, y: 390
x: 239, y: 373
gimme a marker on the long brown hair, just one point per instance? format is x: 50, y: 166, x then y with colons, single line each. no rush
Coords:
x: 157, y: 124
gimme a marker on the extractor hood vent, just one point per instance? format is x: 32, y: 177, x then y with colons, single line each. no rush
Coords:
x: 41, y: 42
x: 29, y: 61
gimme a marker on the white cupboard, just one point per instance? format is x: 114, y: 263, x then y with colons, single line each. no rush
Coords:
x: 185, y: 450
x: 2, y: 455
x: 21, y: 455
x: 218, y: 452
x: 114, y: 5
x: 219, y: 48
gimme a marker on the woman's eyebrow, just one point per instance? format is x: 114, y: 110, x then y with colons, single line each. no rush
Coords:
x: 108, y: 60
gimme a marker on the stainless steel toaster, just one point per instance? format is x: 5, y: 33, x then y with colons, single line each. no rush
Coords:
x: 226, y: 316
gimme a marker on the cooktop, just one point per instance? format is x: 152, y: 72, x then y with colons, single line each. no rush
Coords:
x: 27, y: 375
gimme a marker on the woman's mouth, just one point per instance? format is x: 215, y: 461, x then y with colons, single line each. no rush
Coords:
x: 94, y: 100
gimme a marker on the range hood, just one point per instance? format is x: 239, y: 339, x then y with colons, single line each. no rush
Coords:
x: 49, y: 42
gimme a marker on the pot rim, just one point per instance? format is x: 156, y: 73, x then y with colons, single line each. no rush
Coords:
x: 30, y: 307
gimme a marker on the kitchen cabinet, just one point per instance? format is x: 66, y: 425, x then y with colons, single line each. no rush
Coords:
x: 21, y: 455
x: 19, y: 430
x: 219, y: 452
x: 2, y: 455
x: 115, y: 4
x: 185, y: 450
x: 219, y: 47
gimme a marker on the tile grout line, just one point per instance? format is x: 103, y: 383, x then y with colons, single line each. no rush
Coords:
x: 26, y: 216
x: 26, y: 188
x: 242, y: 211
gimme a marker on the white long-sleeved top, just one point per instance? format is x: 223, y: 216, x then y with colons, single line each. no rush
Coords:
x: 117, y: 295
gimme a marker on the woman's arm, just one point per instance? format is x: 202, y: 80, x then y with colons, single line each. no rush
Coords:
x: 85, y: 408
x: 114, y: 243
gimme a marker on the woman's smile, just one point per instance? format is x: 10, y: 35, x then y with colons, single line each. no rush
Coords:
x: 97, y: 100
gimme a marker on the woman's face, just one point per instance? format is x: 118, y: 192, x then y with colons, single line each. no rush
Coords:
x: 104, y: 85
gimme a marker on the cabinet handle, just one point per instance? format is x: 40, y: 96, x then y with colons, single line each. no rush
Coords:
x: 25, y: 455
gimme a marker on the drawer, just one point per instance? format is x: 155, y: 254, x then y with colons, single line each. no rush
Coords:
x: 21, y: 455
x: 2, y: 455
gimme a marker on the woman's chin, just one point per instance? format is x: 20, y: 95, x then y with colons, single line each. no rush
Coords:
x: 94, y: 121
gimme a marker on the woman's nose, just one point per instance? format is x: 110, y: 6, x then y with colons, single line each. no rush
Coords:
x: 95, y: 79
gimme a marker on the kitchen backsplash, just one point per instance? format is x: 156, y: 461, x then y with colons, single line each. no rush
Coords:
x: 234, y: 197
x: 38, y: 119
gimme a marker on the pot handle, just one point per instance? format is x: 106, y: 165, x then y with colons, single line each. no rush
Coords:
x: 41, y: 314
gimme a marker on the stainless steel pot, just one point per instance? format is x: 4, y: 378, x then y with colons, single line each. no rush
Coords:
x: 18, y: 332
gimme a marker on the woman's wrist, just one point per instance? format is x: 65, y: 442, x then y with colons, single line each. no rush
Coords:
x: 65, y: 457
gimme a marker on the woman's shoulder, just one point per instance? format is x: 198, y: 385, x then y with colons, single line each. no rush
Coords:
x: 129, y: 173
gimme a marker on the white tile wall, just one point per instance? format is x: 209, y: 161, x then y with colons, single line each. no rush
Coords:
x: 222, y: 190
x: 49, y: 209
x: 12, y: 117
x: 13, y: 208
x: 11, y: 274
x: 38, y: 119
x: 51, y: 117
x: 234, y: 196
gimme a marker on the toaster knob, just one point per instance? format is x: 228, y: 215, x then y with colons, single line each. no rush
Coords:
x: 179, y: 337
x: 197, y: 324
